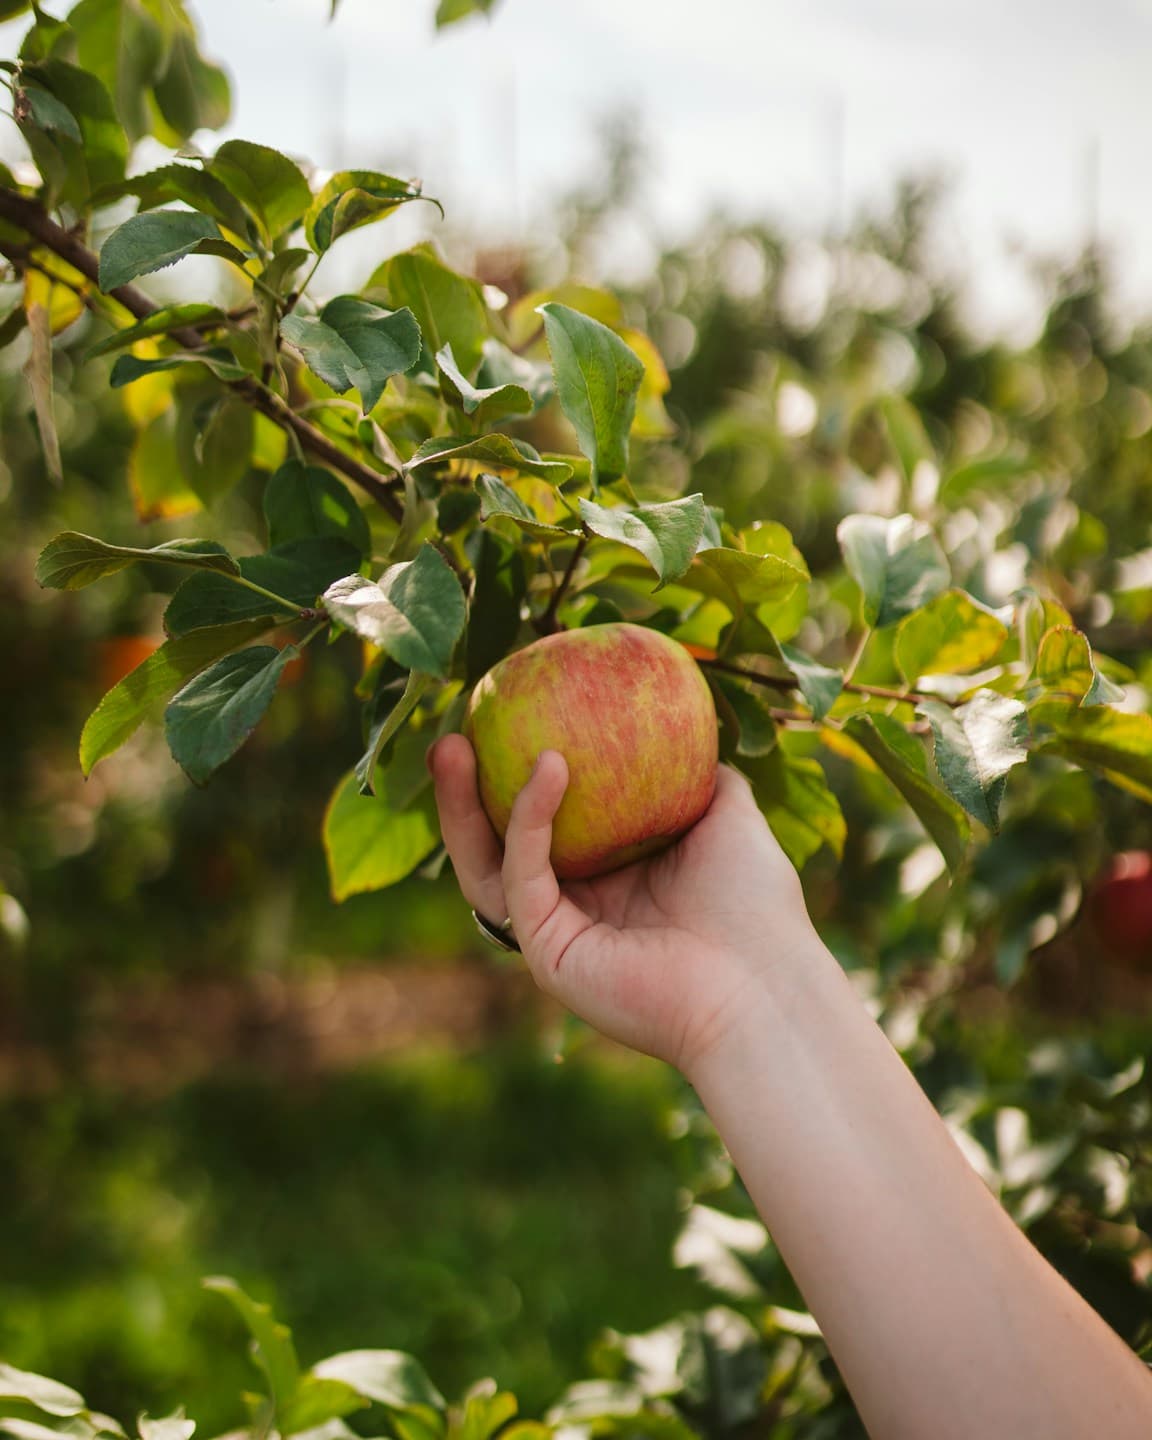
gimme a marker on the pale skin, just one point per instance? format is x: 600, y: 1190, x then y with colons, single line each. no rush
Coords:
x: 944, y: 1320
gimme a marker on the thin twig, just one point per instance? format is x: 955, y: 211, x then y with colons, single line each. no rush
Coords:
x: 70, y: 247
x: 546, y: 625
x: 787, y: 682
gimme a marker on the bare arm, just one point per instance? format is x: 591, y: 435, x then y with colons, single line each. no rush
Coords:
x: 945, y: 1321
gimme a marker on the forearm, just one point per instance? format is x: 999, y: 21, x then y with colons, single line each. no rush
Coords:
x: 942, y: 1317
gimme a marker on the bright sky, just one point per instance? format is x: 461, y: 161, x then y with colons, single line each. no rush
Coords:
x: 739, y: 101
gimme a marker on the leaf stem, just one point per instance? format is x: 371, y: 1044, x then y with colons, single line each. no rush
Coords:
x: 268, y: 594
x: 547, y: 624
x: 857, y: 656
x: 786, y: 682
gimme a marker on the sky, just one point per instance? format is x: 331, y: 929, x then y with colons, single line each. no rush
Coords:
x: 1037, y: 110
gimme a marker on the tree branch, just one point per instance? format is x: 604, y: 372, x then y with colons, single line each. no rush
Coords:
x: 70, y: 247
x: 786, y: 682
x: 546, y: 625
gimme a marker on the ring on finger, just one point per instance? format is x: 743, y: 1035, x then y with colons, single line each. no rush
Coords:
x: 501, y: 936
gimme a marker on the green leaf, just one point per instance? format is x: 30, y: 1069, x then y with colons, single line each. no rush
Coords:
x: 352, y: 344
x: 305, y: 502
x: 102, y: 154
x: 152, y: 241
x: 296, y: 573
x: 449, y: 11
x: 208, y: 721
x: 666, y: 535
x: 1066, y: 671
x: 898, y: 564
x: 214, y: 435
x: 44, y: 110
x: 820, y: 685
x: 1113, y: 743
x: 499, y: 450
x: 388, y: 1377
x: 123, y: 44
x: 906, y: 433
x: 120, y: 713
x: 500, y: 501
x: 187, y: 184
x: 499, y: 587
x: 353, y: 198
x: 597, y: 379
x: 70, y: 560
x: 903, y: 759
x: 951, y: 634
x: 316, y: 1403
x: 220, y: 362
x: 741, y: 707
x: 369, y: 847
x: 271, y: 1341
x: 485, y: 1413
x: 793, y: 793
x: 169, y: 1427
x: 47, y: 1395
x: 160, y: 322
x: 485, y: 406
x: 388, y: 726
x: 767, y: 537
x: 415, y: 611
x: 737, y: 578
x: 271, y: 187
x: 501, y: 366
x: 191, y: 94
x: 977, y: 744
x: 449, y: 308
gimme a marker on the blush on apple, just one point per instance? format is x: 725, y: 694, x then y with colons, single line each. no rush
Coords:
x: 1121, y: 906
x: 630, y: 712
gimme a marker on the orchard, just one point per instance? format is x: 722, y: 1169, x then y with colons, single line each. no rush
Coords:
x: 316, y: 532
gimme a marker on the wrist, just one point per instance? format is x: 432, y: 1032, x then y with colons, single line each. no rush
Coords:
x: 771, y: 1003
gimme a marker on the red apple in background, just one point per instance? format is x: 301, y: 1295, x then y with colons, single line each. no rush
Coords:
x: 1121, y: 906
x: 630, y: 712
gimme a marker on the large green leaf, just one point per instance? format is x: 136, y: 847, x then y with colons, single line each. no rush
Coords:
x: 903, y: 759
x: 499, y: 587
x: 500, y: 501
x: 449, y: 307
x: 70, y: 560
x: 1114, y: 743
x: 296, y: 573
x: 352, y: 198
x: 156, y: 239
x: 160, y: 322
x: 123, y: 43
x: 369, y: 847
x: 499, y: 450
x: 793, y: 793
x: 1065, y: 670
x: 211, y: 717
x: 977, y: 744
x: 898, y: 564
x: 388, y: 1377
x: 820, y: 685
x: 951, y: 634
x: 354, y: 345
x: 187, y: 184
x: 271, y: 187
x: 98, y: 158
x: 666, y: 535
x: 218, y: 361
x: 192, y: 94
x: 597, y: 380
x: 484, y: 406
x: 415, y: 611
x: 47, y: 1395
x: 739, y: 579
x: 305, y: 502
x: 121, y: 712
x: 272, y: 1343
x: 387, y: 726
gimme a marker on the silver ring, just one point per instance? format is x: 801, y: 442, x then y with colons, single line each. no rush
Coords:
x: 501, y: 936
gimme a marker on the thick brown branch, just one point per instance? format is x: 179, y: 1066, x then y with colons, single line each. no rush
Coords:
x: 70, y: 248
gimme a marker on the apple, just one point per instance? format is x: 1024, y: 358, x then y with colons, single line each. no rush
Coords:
x: 1122, y: 906
x: 630, y: 712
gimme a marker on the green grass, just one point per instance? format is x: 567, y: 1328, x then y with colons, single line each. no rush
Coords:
x: 491, y: 1213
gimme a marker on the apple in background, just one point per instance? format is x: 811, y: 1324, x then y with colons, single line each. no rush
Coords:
x: 630, y: 712
x: 1121, y: 906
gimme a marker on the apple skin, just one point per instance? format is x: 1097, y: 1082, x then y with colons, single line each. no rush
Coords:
x: 630, y: 712
x: 1122, y: 906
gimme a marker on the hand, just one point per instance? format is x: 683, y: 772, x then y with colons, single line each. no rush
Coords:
x: 660, y: 955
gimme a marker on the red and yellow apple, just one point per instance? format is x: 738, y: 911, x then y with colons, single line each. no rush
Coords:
x: 1121, y: 906
x: 632, y: 715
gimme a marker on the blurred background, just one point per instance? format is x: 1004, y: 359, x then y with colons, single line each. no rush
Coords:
x: 206, y: 1066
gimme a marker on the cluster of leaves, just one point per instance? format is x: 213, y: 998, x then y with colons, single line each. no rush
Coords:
x: 475, y: 540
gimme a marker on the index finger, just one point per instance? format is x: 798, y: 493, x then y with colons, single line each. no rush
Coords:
x: 467, y: 831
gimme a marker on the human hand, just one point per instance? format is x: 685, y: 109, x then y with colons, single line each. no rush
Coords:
x: 661, y: 955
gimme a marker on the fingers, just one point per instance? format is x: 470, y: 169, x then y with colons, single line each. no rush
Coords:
x: 468, y: 834
x: 545, y: 921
